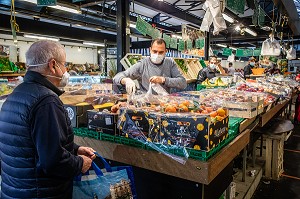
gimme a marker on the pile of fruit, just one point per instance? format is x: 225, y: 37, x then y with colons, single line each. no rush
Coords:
x: 5, y: 89
x: 218, y: 82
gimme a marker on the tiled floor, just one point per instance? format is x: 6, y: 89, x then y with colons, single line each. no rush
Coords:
x: 288, y: 187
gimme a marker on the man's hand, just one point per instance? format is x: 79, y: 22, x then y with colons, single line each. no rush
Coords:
x: 157, y: 79
x: 129, y: 84
x: 87, y: 162
x: 86, y: 151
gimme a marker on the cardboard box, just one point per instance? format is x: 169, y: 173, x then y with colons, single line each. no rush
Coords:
x: 77, y: 114
x: 193, y: 131
x: 105, y: 122
x: 134, y: 122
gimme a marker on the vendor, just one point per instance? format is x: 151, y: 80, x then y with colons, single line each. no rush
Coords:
x: 2, y: 53
x: 247, y: 68
x: 231, y: 70
x: 208, y: 72
x: 155, y: 69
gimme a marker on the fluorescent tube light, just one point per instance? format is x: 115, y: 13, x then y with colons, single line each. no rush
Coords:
x: 93, y: 44
x: 176, y: 36
x: 251, y: 32
x: 233, y: 48
x: 40, y: 37
x: 132, y: 25
x: 66, y: 9
x: 228, y: 18
x: 222, y: 45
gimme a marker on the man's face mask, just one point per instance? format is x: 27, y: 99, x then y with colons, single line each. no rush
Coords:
x: 252, y: 63
x: 64, y: 78
x: 157, y: 59
x: 212, y: 66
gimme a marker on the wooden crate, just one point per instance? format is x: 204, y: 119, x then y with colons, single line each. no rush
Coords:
x: 245, y: 109
x: 274, y: 156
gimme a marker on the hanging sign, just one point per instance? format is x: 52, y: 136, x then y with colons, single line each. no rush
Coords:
x: 181, y: 45
x: 189, y: 44
x: 227, y: 51
x: 167, y: 39
x: 200, y: 43
x: 236, y: 6
x: 46, y: 2
x: 142, y: 26
x: 256, y: 52
x: 173, y: 43
x: 244, y: 53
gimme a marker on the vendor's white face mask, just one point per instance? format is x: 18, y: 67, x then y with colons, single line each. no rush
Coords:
x: 157, y: 59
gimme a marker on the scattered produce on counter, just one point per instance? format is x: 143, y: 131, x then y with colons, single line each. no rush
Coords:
x: 218, y: 82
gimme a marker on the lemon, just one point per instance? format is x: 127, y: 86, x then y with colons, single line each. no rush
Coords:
x: 200, y: 127
x: 165, y: 123
x: 197, y: 147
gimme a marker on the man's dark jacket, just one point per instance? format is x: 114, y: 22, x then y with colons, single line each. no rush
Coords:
x: 247, y: 71
x: 36, y: 142
x: 205, y: 73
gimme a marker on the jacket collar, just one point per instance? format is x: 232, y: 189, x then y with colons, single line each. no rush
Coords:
x: 32, y: 76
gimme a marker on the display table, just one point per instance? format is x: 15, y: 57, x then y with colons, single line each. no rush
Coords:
x: 193, y: 170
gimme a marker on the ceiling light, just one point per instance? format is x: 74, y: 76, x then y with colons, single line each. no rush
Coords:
x: 98, y: 29
x: 93, y: 44
x: 132, y: 25
x: 251, y: 32
x: 228, y: 18
x: 160, y: 0
x: 221, y: 45
x: 40, y: 37
x: 176, y: 36
x: 237, y: 28
x: 233, y: 48
x: 66, y: 9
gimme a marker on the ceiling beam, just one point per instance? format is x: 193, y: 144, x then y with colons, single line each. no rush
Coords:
x: 55, y: 30
x: 170, y: 10
x: 291, y: 10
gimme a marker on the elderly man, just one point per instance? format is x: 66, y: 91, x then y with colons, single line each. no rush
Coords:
x: 38, y: 155
x: 208, y: 72
x: 154, y: 69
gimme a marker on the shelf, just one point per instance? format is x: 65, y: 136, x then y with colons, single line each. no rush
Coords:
x: 12, y: 74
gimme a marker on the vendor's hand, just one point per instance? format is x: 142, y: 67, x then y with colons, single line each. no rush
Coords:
x: 130, y: 85
x: 87, y: 151
x: 87, y: 163
x: 157, y: 79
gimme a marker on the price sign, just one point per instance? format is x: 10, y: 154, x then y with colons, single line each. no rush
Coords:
x: 181, y: 45
x: 227, y: 51
x: 189, y: 44
x: 46, y: 2
x: 167, y: 39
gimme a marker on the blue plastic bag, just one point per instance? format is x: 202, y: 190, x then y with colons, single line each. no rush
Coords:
x: 115, y: 183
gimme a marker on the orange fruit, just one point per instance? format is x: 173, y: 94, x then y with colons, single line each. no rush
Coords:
x: 221, y: 112
x: 186, y: 103
x: 171, y: 109
x: 183, y: 108
x: 209, y: 109
x: 213, y: 114
x: 204, y: 112
x: 219, y: 118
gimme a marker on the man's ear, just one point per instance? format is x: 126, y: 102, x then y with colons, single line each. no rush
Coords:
x: 51, y: 66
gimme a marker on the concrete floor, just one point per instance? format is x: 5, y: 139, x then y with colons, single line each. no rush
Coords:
x: 288, y: 187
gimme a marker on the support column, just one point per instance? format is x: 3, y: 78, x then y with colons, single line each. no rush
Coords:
x: 105, y: 56
x: 207, y: 40
x: 122, y: 28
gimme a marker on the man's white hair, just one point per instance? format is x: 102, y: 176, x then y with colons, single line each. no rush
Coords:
x: 41, y: 52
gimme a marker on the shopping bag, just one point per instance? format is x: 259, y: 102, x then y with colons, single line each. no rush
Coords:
x: 109, y: 183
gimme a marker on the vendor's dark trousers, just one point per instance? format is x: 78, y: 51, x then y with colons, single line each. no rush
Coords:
x: 297, y: 110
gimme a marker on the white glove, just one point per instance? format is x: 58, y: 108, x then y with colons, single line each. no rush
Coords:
x: 130, y: 85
